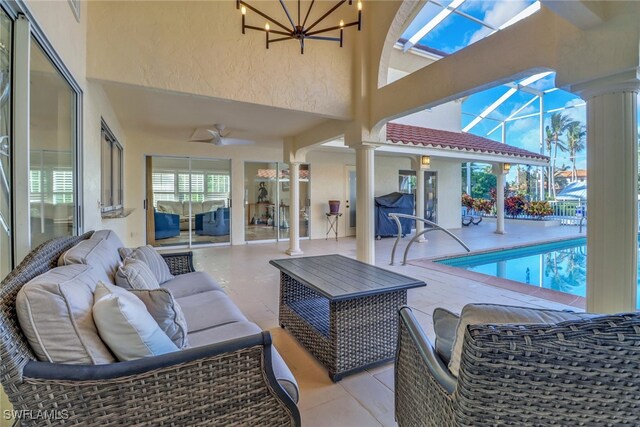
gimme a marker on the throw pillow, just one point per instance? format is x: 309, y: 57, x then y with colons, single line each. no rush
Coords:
x: 125, y: 253
x: 166, y: 312
x: 154, y: 260
x: 135, y: 274
x: 444, y: 325
x: 97, y: 253
x: 55, y: 314
x: 126, y: 326
x: 494, y: 314
x: 110, y: 236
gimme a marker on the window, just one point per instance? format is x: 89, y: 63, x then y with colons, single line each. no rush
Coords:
x: 112, y: 195
x: 218, y: 183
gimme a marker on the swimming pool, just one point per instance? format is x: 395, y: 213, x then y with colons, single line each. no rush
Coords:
x: 561, y: 266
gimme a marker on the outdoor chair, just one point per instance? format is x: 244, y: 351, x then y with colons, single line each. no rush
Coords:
x: 584, y: 372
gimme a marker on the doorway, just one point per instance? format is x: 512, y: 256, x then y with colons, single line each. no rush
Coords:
x: 188, y: 201
x: 431, y: 196
x: 267, y: 198
x: 350, y: 206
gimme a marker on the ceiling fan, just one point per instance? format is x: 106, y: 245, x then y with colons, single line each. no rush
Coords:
x: 217, y: 136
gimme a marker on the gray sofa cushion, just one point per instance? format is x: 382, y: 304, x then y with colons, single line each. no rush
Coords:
x: 190, y: 284
x: 126, y: 326
x: 135, y: 274
x: 444, y: 325
x: 236, y: 330
x: 55, y: 314
x: 110, y: 236
x: 97, y: 253
x: 494, y: 314
x: 154, y: 260
x: 209, y: 309
x: 166, y: 311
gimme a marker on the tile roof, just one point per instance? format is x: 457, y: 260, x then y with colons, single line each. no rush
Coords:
x: 284, y: 174
x: 434, y: 138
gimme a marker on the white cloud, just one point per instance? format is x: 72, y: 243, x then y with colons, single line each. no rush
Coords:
x: 496, y: 14
x: 525, y: 125
x: 525, y: 137
x: 578, y: 113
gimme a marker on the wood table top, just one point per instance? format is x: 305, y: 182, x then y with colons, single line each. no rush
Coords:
x: 337, y: 277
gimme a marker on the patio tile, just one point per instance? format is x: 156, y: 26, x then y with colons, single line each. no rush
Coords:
x: 344, y: 411
x: 373, y: 395
x: 366, y: 399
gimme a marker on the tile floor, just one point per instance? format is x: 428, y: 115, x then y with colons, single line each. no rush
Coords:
x: 364, y: 399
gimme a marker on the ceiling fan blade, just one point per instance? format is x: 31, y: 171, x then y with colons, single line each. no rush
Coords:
x: 201, y: 140
x: 235, y: 141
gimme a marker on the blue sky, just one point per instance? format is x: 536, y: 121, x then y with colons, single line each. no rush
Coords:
x: 523, y: 133
x: 456, y: 32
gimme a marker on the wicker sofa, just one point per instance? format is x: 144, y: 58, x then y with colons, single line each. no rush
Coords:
x: 584, y: 372
x: 233, y: 379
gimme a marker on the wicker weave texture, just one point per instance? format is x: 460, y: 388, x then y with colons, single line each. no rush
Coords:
x: 343, y: 335
x: 181, y: 395
x: 15, y: 352
x: 231, y: 388
x: 419, y: 399
x: 573, y: 373
x: 577, y: 373
x: 179, y: 263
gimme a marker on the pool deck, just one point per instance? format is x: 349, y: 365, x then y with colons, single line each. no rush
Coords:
x: 366, y: 398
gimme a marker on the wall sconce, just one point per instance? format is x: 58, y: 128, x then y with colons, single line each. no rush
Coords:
x: 506, y: 167
x: 425, y: 161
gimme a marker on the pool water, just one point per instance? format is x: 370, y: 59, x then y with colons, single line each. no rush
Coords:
x: 561, y: 266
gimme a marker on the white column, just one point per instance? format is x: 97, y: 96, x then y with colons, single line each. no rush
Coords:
x: 498, y: 171
x: 612, y: 194
x: 419, y: 197
x: 294, y: 209
x: 365, y: 190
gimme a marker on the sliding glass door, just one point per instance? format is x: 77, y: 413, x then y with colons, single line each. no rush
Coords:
x: 267, y: 200
x: 189, y: 201
x: 6, y: 250
x: 52, y: 151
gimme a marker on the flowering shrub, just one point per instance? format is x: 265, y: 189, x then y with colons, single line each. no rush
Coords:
x: 482, y: 205
x: 538, y: 209
x: 514, y: 205
x: 467, y: 201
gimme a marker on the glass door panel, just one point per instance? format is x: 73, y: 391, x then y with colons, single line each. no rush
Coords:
x: 210, y: 196
x: 6, y: 253
x: 261, y: 201
x: 169, y: 215
x: 305, y: 200
x: 431, y: 196
x: 284, y: 201
x: 52, y: 174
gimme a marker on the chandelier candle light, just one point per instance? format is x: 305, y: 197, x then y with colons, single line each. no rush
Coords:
x: 300, y: 31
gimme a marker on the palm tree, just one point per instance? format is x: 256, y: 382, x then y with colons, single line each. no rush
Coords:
x: 575, y: 144
x: 555, y: 130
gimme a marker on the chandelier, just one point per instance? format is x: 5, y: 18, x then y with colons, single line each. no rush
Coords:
x: 299, y: 31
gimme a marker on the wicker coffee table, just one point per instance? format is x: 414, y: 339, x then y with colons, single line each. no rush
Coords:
x: 343, y: 311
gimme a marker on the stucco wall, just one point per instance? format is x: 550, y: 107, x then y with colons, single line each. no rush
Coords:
x: 140, y: 145
x: 96, y: 107
x: 449, y: 191
x: 447, y: 116
x: 205, y: 53
x: 67, y: 35
x: 329, y: 182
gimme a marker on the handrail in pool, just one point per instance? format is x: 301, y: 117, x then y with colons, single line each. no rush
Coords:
x: 433, y: 226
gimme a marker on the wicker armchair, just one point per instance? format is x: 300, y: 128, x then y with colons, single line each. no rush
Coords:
x: 573, y: 373
x: 230, y: 383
